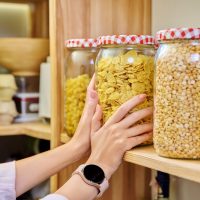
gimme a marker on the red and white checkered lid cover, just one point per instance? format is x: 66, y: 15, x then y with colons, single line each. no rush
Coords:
x: 127, y: 39
x: 81, y: 43
x: 178, y: 33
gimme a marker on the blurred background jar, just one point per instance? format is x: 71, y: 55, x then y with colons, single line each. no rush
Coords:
x: 177, y: 93
x: 27, y: 98
x: 79, y: 68
x: 124, y: 69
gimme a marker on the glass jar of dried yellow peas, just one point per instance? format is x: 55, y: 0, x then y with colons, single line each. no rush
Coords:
x: 124, y: 69
x: 79, y: 68
x: 177, y: 94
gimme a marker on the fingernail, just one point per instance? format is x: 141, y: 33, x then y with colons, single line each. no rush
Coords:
x: 142, y: 96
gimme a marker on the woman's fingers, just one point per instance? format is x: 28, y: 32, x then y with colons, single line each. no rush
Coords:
x: 96, y: 120
x: 91, y: 101
x: 91, y: 98
x: 124, y: 109
x: 139, y: 129
x: 135, y: 117
x: 91, y: 85
x: 134, y: 141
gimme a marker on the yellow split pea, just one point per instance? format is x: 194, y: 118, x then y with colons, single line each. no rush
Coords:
x: 75, y: 94
x: 177, y: 100
x: 121, y: 77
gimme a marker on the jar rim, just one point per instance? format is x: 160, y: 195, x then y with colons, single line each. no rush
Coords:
x: 177, y: 41
x: 82, y: 43
x: 178, y: 33
x: 126, y: 39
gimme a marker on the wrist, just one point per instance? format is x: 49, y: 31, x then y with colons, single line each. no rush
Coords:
x: 94, y: 176
x: 77, y: 149
x: 74, y: 149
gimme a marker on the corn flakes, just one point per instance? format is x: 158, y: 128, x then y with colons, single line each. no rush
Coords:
x: 75, y: 94
x: 121, y: 77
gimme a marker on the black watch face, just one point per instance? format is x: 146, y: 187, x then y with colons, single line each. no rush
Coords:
x: 94, y: 173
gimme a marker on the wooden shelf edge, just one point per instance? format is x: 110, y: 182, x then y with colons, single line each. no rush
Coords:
x: 33, y: 129
x: 147, y: 157
x: 65, y: 138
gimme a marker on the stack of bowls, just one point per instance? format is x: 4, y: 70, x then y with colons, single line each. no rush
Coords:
x: 7, y: 106
x: 22, y: 57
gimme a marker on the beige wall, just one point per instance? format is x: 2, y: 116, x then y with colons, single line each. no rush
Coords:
x: 175, y: 13
x: 168, y: 14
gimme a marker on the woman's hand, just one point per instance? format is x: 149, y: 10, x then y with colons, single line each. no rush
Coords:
x: 81, y: 138
x: 119, y: 134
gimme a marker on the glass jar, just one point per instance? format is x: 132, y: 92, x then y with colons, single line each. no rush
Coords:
x: 124, y: 69
x: 79, y: 68
x: 177, y: 94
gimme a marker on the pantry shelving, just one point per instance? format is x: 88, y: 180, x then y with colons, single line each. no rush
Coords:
x: 33, y: 129
x: 39, y: 28
x: 83, y: 19
x: 147, y: 157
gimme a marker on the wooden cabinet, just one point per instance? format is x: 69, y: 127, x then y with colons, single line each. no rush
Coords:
x: 39, y: 22
x: 39, y: 26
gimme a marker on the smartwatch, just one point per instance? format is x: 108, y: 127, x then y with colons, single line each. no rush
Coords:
x: 93, y: 175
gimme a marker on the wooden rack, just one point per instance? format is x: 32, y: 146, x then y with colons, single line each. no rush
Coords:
x: 34, y: 129
x: 147, y: 157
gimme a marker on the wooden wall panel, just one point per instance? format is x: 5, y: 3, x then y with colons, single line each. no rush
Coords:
x: 92, y: 18
x: 120, y: 17
x: 76, y: 15
x: 101, y: 18
x: 41, y: 19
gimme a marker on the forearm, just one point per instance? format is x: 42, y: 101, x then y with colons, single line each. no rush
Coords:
x: 76, y: 189
x: 32, y: 171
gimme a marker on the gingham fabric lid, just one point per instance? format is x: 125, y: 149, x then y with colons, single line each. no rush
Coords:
x: 178, y: 33
x: 83, y: 43
x: 126, y: 39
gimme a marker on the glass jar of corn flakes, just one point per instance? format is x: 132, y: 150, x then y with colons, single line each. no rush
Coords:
x: 124, y: 69
x: 79, y: 68
x: 177, y: 94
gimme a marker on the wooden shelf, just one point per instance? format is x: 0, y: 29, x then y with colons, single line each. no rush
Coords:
x: 147, y: 157
x: 33, y: 129
x: 65, y: 138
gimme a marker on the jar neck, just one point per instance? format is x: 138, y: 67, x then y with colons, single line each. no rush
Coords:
x: 131, y: 46
x: 186, y: 41
x: 82, y: 49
